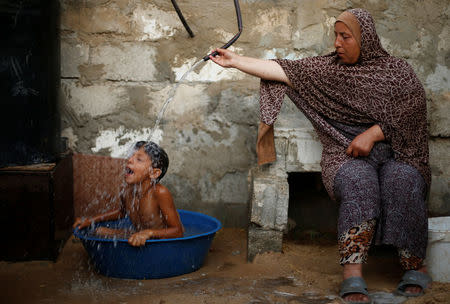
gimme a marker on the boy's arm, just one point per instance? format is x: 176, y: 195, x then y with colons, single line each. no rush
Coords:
x: 115, y: 214
x: 108, y: 216
x: 174, y: 227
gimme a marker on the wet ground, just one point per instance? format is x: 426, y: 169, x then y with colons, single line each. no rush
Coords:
x: 306, y: 272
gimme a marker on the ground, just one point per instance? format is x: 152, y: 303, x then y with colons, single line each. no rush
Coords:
x: 306, y: 272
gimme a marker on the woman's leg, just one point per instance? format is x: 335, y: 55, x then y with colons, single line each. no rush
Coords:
x: 409, y: 261
x: 404, y: 220
x: 354, y: 244
x: 357, y: 188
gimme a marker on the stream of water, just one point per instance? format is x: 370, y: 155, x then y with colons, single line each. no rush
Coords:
x: 170, y: 98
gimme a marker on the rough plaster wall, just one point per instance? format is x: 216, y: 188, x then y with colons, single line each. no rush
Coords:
x: 121, y: 58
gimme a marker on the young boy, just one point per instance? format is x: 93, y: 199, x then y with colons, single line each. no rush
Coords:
x: 147, y: 203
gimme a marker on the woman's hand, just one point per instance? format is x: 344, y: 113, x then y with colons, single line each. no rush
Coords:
x: 81, y: 223
x: 225, y: 58
x: 364, y: 142
x: 139, y: 238
x: 262, y: 68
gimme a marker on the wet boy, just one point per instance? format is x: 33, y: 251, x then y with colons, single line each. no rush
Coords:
x: 147, y: 203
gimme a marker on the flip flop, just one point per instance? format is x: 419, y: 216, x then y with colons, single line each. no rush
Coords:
x: 411, y: 278
x: 354, y: 285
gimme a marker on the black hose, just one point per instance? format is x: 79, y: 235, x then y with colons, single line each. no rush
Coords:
x: 186, y: 26
x: 239, y: 21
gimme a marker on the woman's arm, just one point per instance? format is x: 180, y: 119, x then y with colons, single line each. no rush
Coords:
x: 265, y: 69
x: 363, y: 143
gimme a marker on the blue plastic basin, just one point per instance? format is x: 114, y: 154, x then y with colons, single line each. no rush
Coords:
x: 160, y: 258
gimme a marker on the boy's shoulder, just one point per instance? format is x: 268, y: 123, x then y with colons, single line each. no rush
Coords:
x: 162, y: 195
x: 161, y: 190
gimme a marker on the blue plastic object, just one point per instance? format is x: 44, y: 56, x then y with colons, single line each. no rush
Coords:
x: 159, y: 258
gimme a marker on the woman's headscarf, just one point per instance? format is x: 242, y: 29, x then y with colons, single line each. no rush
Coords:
x: 378, y: 89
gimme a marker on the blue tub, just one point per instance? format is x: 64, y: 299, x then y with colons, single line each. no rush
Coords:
x: 160, y: 258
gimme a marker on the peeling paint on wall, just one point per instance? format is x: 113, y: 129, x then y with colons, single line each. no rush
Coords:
x: 119, y: 141
x: 153, y: 23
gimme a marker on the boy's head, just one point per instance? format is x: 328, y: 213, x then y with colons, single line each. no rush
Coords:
x: 148, y: 159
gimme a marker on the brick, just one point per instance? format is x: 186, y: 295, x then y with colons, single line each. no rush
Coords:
x: 73, y: 54
x: 269, y: 203
x: 128, y: 61
x: 261, y: 241
x: 93, y: 100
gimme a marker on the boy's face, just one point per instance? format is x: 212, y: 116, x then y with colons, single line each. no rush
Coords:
x: 139, y: 168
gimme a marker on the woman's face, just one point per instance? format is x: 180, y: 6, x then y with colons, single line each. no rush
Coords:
x: 347, y: 47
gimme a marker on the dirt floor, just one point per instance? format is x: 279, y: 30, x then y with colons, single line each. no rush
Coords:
x: 306, y: 272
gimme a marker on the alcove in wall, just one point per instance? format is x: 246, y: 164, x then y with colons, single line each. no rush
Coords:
x: 311, y: 212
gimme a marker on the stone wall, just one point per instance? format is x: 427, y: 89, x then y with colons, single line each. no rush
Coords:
x: 121, y: 58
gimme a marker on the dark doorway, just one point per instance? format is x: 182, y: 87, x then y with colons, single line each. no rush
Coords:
x: 311, y: 212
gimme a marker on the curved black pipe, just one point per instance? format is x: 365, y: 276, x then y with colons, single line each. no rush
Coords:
x: 239, y: 21
x: 186, y: 26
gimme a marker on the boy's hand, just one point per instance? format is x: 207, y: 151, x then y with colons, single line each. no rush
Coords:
x: 81, y: 223
x: 139, y: 238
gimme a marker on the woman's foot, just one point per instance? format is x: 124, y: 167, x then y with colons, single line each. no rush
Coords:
x: 416, y: 289
x: 354, y: 270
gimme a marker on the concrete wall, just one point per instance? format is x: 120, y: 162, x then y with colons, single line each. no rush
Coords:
x: 121, y: 59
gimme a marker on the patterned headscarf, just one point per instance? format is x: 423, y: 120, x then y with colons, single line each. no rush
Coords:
x: 378, y: 89
x: 352, y: 23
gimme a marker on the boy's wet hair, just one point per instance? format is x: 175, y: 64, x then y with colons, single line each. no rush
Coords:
x: 157, y: 155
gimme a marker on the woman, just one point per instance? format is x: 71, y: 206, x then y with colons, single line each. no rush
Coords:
x: 369, y: 111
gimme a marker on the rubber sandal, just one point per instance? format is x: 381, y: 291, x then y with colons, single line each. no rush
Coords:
x: 411, y: 278
x: 354, y: 285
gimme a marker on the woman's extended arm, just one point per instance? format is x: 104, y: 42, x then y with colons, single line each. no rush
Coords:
x: 265, y: 69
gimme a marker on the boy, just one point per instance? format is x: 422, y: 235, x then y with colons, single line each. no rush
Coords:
x: 147, y: 203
